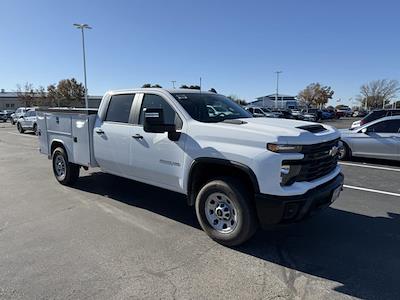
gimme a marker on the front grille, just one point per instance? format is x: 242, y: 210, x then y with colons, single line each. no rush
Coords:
x: 317, y: 161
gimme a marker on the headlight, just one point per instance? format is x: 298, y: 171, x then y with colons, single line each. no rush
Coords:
x: 282, y: 148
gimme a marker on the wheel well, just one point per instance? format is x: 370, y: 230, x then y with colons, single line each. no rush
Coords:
x: 203, y: 172
x: 55, y: 145
x: 347, y: 146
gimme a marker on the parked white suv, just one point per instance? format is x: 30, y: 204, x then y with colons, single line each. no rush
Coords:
x: 18, y: 113
x: 238, y: 171
x: 27, y: 121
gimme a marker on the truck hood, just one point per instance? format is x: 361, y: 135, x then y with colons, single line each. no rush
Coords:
x: 271, y: 130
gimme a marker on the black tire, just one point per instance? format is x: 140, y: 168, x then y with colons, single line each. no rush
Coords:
x: 12, y: 122
x: 34, y: 128
x: 70, y: 172
x: 244, y: 211
x: 20, y: 129
x: 345, y: 153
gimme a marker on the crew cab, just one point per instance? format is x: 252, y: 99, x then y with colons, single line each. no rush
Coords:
x: 238, y: 172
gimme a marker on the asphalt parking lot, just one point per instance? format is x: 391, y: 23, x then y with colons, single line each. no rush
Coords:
x: 111, y: 238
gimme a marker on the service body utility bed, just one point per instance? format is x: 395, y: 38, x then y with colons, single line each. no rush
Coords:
x: 73, y: 127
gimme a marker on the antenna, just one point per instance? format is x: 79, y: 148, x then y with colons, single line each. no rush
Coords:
x: 173, y: 83
x: 200, y: 84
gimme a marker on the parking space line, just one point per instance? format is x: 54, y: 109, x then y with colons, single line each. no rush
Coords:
x: 369, y: 166
x: 371, y: 190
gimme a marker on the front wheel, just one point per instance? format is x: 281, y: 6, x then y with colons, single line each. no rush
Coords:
x: 20, y: 129
x: 225, y: 211
x: 34, y: 129
x: 65, y: 172
x: 345, y: 152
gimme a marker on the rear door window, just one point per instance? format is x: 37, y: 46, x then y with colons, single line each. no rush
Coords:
x: 119, y: 108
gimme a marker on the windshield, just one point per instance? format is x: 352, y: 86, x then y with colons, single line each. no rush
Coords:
x: 374, y: 115
x: 210, y: 107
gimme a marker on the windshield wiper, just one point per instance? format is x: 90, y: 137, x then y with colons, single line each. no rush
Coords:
x: 234, y: 121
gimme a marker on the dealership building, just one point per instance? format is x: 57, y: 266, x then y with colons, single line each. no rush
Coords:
x: 284, y: 101
x: 11, y: 101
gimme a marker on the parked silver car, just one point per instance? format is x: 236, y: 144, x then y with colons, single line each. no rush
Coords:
x: 377, y: 139
x: 261, y: 112
x: 27, y: 122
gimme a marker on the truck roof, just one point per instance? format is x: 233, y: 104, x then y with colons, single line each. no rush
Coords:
x: 187, y: 91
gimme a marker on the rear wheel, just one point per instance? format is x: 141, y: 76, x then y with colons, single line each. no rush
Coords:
x: 65, y: 172
x: 20, y: 129
x: 225, y: 212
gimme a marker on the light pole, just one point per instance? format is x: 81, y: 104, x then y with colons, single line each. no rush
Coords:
x: 277, y: 89
x: 82, y: 27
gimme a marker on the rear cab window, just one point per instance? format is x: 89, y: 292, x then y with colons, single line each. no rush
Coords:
x: 119, y: 108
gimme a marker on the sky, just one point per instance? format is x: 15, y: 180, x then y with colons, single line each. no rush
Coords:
x: 235, y: 46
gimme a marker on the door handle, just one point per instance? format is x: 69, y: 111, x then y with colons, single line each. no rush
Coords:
x: 99, y: 131
x: 137, y: 136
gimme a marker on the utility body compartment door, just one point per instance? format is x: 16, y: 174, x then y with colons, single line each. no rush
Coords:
x: 44, y: 147
x: 72, y: 129
x: 81, y: 139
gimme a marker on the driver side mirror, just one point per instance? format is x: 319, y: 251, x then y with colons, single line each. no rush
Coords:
x: 364, y: 130
x: 154, y: 122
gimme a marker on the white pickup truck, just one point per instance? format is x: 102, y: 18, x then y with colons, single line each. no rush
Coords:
x: 238, y: 171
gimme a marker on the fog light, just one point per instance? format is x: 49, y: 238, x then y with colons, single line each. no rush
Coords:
x: 291, y: 210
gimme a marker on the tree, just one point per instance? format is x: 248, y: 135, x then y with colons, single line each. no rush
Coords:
x: 315, y: 94
x: 193, y: 87
x: 378, y: 93
x: 148, y: 85
x: 26, y: 93
x: 68, y: 92
x: 237, y: 100
x: 40, y: 97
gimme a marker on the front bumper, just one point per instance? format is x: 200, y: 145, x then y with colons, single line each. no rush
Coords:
x: 273, y: 210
